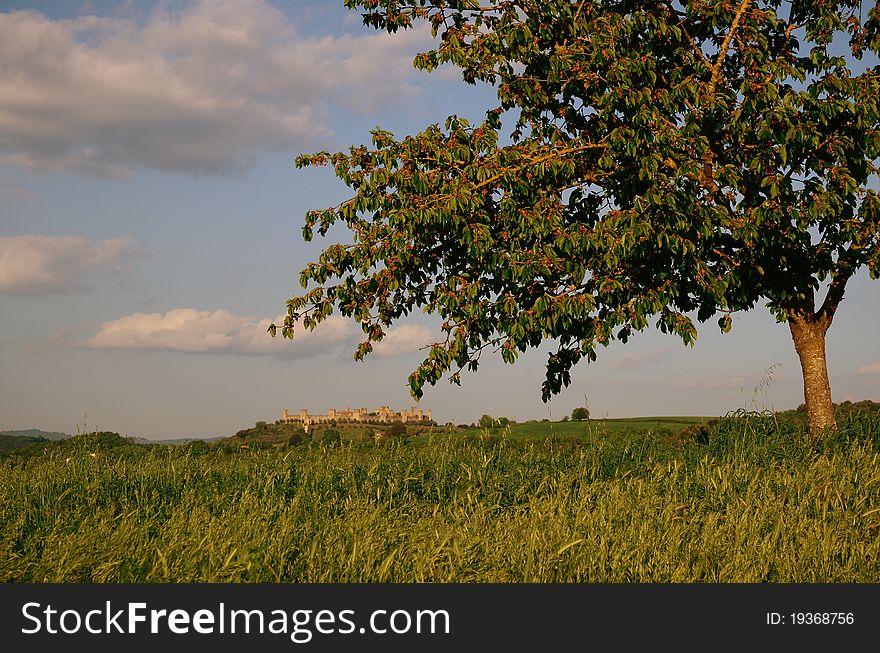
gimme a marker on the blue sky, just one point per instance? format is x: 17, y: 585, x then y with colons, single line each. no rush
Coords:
x: 150, y: 221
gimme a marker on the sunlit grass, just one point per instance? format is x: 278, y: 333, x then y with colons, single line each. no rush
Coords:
x: 755, y: 501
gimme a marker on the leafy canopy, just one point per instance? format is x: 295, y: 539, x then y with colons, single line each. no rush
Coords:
x: 662, y: 161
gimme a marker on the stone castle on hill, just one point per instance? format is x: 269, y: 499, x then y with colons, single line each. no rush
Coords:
x: 383, y: 415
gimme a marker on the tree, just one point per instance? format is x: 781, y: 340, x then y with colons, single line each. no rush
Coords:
x: 397, y: 429
x: 580, y: 414
x: 486, y: 422
x: 329, y: 436
x: 647, y: 161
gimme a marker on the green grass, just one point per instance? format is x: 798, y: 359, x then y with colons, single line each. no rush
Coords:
x: 593, y: 428
x: 754, y: 500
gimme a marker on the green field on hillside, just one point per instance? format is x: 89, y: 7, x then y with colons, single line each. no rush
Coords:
x: 748, y: 499
x: 592, y: 428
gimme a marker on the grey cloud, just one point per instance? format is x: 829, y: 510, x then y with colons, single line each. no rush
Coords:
x: 41, y: 265
x: 205, y: 89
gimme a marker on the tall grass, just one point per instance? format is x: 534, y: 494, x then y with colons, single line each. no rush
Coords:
x: 754, y: 501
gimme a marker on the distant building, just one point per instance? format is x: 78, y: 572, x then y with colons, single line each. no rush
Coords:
x: 382, y: 415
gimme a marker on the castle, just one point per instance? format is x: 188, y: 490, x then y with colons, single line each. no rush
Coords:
x: 383, y: 415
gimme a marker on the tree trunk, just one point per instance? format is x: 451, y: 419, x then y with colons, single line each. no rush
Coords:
x: 808, y: 334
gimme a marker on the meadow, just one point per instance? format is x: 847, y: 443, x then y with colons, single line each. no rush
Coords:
x: 591, y: 429
x: 750, y: 498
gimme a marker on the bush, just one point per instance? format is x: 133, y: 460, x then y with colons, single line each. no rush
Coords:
x: 197, y: 447
x: 580, y: 414
x: 329, y: 436
x: 295, y: 439
x: 397, y: 429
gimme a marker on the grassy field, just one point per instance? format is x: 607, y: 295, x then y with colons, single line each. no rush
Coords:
x: 592, y: 429
x: 748, y: 499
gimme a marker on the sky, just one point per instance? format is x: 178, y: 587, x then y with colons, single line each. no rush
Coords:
x: 150, y: 230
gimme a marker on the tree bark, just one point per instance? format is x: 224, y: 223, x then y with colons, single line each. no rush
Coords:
x: 808, y: 333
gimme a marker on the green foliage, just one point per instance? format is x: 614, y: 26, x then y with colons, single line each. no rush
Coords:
x: 197, y: 447
x: 295, y: 439
x: 276, y: 433
x: 666, y: 161
x: 13, y: 442
x: 757, y: 501
x: 489, y: 422
x: 580, y: 414
x: 397, y: 429
x: 96, y: 441
x: 327, y: 437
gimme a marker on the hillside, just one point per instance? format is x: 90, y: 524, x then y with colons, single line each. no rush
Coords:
x: 751, y: 499
x: 264, y: 434
x: 36, y: 433
x: 15, y: 442
x: 278, y: 434
x: 590, y: 428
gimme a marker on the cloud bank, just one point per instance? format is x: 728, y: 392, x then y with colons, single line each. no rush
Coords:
x: 221, y: 332
x: 202, y: 89
x: 42, y: 265
x: 404, y: 339
x: 870, y: 368
x: 636, y: 360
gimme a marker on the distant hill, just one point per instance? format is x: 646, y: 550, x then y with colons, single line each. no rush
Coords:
x: 37, y: 433
x: 174, y: 441
x: 843, y: 409
x: 15, y: 442
x: 30, y: 436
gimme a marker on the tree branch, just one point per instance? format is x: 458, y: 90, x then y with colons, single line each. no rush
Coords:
x: 722, y: 52
x: 707, y: 177
x: 846, y: 266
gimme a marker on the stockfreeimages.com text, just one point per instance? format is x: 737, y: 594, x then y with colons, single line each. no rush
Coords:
x: 300, y: 625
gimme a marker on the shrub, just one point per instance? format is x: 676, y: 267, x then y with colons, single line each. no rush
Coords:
x: 397, y: 429
x: 295, y: 439
x: 197, y: 447
x: 580, y: 414
x: 329, y: 436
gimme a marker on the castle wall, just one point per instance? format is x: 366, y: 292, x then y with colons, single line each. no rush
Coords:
x: 383, y: 415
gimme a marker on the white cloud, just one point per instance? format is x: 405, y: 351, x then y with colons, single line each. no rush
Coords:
x: 219, y: 331
x: 635, y: 360
x: 404, y: 339
x: 870, y: 368
x: 202, y: 89
x: 40, y: 265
